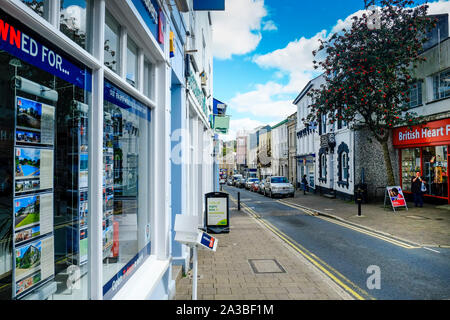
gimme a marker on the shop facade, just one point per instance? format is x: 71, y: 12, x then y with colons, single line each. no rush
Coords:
x: 424, y: 149
x: 85, y: 138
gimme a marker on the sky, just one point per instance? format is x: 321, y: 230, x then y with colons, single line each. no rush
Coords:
x: 263, y: 53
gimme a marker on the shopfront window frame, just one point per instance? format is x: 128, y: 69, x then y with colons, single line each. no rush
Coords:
x: 420, y: 147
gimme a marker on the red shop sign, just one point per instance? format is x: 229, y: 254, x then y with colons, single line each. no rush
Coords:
x: 431, y: 133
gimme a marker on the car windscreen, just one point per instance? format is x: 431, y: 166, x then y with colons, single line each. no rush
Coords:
x: 279, y: 180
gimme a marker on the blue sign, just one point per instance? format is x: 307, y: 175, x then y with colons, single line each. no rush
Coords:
x: 121, y: 277
x: 149, y: 9
x: 125, y: 101
x: 209, y: 5
x: 21, y: 45
x: 208, y: 241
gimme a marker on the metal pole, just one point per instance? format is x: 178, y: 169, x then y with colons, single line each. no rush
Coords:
x: 239, y: 201
x: 194, y: 274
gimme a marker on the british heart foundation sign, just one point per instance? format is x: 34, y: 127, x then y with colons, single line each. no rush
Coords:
x: 431, y: 133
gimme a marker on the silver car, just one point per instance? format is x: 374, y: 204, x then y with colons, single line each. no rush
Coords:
x: 278, y: 185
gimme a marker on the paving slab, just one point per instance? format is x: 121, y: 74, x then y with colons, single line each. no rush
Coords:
x: 278, y: 273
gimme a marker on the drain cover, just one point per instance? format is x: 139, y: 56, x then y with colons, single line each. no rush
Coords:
x: 266, y: 266
x: 418, y: 217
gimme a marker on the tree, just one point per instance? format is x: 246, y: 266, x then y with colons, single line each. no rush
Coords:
x: 369, y: 70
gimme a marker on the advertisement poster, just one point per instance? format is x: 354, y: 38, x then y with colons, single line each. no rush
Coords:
x: 34, y: 263
x: 33, y: 169
x: 217, y: 211
x: 396, y: 196
x: 35, y: 122
x: 33, y: 216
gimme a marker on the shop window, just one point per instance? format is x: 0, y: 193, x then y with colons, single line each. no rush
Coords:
x: 434, y: 170
x: 75, y: 21
x: 410, y: 165
x: 112, y: 43
x: 441, y: 85
x: 41, y: 7
x: 126, y: 229
x: 415, y: 95
x: 43, y: 173
x: 132, y: 62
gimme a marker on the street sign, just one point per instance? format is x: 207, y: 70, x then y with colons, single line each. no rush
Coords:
x: 217, y: 216
x: 207, y: 241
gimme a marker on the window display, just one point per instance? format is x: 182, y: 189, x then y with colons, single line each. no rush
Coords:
x: 410, y: 165
x: 43, y: 108
x: 435, y: 170
x: 125, y: 186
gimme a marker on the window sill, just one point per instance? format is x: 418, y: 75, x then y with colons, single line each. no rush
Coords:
x: 343, y: 184
x: 437, y: 100
x: 144, y: 280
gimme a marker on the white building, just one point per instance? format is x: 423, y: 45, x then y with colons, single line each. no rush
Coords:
x: 325, y: 152
x: 279, y: 147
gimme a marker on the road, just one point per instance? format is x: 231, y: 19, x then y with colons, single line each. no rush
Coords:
x: 352, y: 257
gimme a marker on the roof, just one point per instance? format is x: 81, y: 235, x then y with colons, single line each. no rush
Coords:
x: 280, y: 124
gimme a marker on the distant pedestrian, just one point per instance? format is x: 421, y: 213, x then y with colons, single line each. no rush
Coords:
x: 305, y: 184
x: 418, y: 187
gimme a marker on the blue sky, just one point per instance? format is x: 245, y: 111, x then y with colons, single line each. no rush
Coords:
x: 263, y: 54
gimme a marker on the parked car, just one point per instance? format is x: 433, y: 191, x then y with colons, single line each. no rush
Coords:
x: 241, y: 183
x: 255, y: 186
x: 278, y: 185
x: 236, y: 179
x: 261, y: 187
x: 230, y: 181
x: 249, y: 182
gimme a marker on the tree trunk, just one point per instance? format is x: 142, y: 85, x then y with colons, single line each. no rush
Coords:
x: 388, y: 163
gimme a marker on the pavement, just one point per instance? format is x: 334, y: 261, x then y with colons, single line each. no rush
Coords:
x: 252, y: 263
x: 428, y: 226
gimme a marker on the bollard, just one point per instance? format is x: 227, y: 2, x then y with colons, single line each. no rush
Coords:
x: 359, y: 200
x: 239, y: 201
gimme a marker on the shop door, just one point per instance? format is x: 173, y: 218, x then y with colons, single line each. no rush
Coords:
x: 434, y: 170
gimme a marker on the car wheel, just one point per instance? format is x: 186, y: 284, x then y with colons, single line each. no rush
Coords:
x: 271, y: 194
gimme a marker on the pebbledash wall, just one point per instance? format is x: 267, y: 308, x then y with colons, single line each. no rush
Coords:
x: 86, y: 93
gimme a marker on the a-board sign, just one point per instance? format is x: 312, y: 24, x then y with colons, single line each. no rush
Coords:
x: 217, y: 217
x: 396, y: 197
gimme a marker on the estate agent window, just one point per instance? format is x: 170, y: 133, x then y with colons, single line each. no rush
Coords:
x: 126, y: 154
x: 43, y: 170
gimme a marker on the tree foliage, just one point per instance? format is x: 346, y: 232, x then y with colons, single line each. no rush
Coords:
x: 369, y: 69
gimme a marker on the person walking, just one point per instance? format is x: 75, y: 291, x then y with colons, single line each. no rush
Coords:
x: 418, y: 187
x: 305, y: 184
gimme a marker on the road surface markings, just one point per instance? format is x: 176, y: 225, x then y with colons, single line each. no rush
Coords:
x: 332, y: 273
x: 355, y: 228
x: 431, y: 249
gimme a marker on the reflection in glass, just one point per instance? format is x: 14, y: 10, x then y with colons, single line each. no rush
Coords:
x: 132, y: 64
x: 41, y: 7
x: 75, y: 21
x: 112, y: 43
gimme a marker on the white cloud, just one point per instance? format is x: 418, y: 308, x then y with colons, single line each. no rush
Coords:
x: 237, y: 30
x: 270, y: 26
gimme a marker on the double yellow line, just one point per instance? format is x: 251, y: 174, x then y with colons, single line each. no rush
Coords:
x: 377, y: 235
x: 332, y: 273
